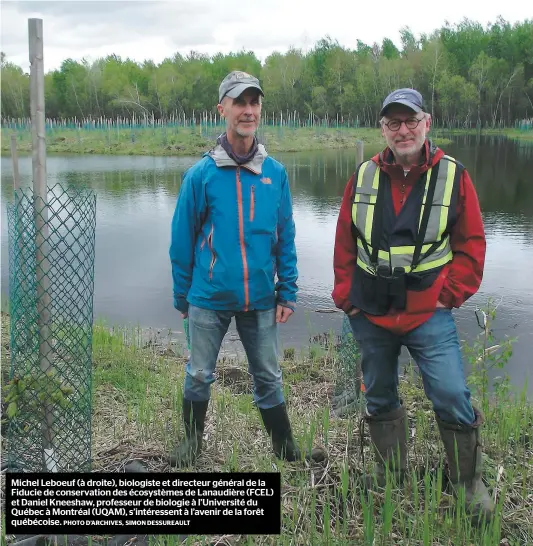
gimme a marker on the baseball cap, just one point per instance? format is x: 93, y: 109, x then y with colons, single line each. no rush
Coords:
x: 235, y: 83
x: 408, y: 97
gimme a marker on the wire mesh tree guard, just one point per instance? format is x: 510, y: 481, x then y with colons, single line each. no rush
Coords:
x: 51, y: 284
x: 348, y: 397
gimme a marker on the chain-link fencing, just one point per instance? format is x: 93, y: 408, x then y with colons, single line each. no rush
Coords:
x: 348, y: 396
x: 51, y: 284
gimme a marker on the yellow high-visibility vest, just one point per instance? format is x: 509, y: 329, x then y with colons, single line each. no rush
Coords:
x: 436, y: 250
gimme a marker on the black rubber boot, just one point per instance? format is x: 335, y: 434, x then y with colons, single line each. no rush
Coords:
x: 465, y: 469
x: 191, y: 446
x: 278, y: 426
x: 388, y: 432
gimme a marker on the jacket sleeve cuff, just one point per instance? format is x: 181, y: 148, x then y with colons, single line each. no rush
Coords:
x: 347, y: 307
x: 181, y: 304
x: 289, y: 304
x: 446, y: 298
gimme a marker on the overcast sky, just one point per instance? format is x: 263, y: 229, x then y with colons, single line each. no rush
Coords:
x: 155, y: 30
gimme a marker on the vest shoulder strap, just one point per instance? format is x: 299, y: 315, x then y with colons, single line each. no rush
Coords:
x: 366, y: 178
x: 453, y: 160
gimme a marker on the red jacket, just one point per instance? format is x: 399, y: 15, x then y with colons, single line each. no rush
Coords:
x: 458, y: 280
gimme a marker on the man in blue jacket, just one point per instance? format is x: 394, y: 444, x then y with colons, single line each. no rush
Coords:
x: 232, y: 233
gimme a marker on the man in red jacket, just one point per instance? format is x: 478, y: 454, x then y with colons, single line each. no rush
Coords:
x: 409, y: 247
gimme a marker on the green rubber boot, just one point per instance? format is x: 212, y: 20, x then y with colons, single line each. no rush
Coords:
x: 190, y: 447
x: 278, y: 426
x: 465, y: 466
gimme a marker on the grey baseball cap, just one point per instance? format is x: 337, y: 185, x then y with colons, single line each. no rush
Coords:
x: 408, y: 97
x: 235, y: 83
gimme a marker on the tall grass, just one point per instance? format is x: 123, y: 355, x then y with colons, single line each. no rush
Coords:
x: 137, y: 415
x: 326, y: 505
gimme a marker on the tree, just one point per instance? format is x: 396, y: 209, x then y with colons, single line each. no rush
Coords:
x: 457, y: 98
x: 282, y: 77
x: 464, y: 72
x: 389, y: 50
x: 409, y: 42
x: 432, y: 64
x: 479, y: 75
x: 15, y: 90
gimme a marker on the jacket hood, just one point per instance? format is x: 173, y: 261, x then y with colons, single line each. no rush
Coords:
x: 222, y: 159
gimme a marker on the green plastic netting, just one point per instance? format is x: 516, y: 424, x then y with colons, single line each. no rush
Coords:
x: 51, y: 285
x: 348, y: 395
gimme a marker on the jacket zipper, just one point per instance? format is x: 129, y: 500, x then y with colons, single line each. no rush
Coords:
x: 252, y: 204
x: 241, y: 239
x: 213, y: 255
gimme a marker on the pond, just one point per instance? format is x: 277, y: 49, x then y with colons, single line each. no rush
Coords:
x: 136, y: 199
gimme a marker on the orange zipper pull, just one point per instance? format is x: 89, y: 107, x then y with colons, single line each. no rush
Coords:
x: 252, y: 204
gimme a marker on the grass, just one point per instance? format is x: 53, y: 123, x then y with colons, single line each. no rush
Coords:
x: 515, y: 134
x: 195, y: 140
x: 189, y: 141
x: 136, y: 416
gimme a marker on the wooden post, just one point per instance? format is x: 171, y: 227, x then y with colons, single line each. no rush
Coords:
x: 358, y: 153
x: 35, y: 34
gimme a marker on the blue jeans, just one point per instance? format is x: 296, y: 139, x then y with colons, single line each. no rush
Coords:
x: 434, y: 346
x: 258, y: 331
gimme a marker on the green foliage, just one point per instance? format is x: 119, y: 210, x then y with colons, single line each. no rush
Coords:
x: 289, y: 353
x: 389, y: 50
x: 457, y: 95
x: 36, y: 394
x: 15, y: 96
x: 485, y: 355
x: 468, y: 74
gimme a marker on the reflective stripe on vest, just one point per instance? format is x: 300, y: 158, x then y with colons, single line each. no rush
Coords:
x: 402, y: 256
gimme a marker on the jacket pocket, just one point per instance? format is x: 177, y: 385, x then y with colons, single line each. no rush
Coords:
x: 262, y: 208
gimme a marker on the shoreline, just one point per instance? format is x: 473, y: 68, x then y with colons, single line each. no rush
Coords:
x: 187, y: 141
x: 182, y: 141
x: 512, y: 134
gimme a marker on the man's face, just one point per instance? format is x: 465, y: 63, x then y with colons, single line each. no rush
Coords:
x: 404, y: 142
x: 243, y: 113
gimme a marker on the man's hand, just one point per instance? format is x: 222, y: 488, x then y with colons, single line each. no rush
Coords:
x: 354, y: 312
x: 283, y: 313
x: 184, y: 315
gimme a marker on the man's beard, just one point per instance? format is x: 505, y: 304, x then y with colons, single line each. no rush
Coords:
x: 414, y: 147
x: 246, y: 132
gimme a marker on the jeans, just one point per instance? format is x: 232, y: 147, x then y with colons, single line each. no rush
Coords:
x: 258, y: 332
x: 434, y: 346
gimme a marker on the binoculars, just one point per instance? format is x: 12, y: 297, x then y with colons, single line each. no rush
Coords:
x: 391, y: 287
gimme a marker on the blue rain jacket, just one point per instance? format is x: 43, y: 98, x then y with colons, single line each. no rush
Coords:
x: 232, y: 239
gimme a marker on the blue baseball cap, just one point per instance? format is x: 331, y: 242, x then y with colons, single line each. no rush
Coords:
x: 408, y: 97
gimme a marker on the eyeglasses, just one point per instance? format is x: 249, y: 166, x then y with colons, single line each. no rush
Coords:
x: 395, y: 124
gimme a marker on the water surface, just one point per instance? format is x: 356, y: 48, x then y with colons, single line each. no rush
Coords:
x: 137, y: 195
